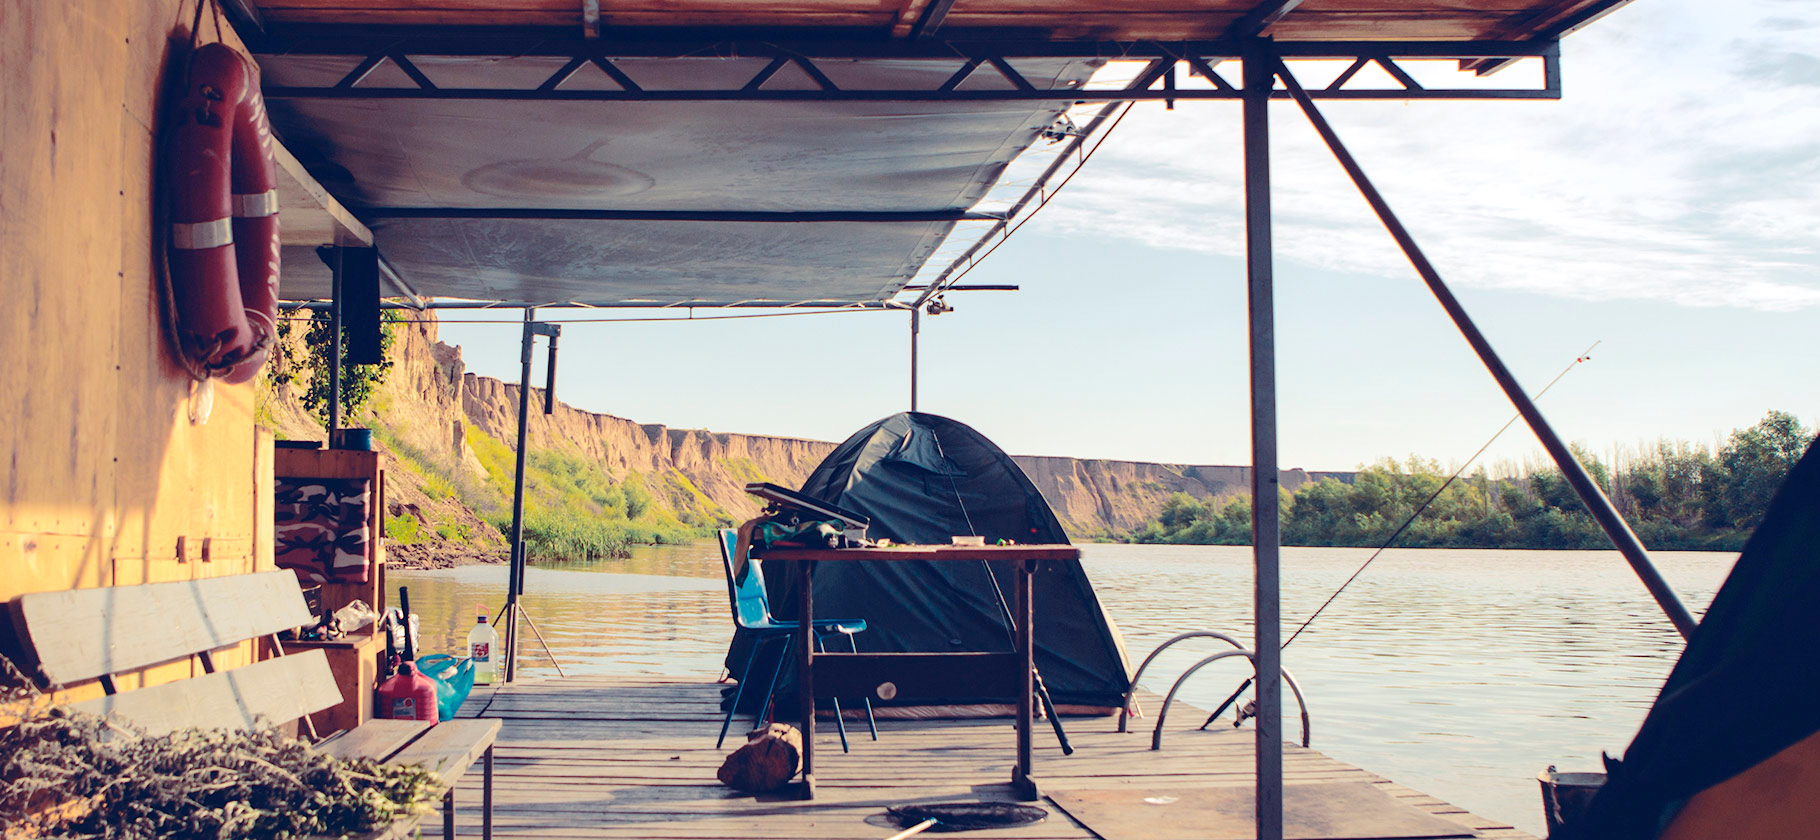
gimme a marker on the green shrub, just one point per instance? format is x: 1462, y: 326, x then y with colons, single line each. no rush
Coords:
x: 404, y: 529
x: 1675, y: 495
x: 455, y: 531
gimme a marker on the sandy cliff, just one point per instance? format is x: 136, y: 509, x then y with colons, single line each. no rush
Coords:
x: 433, y: 403
x: 1096, y: 498
x: 435, y: 413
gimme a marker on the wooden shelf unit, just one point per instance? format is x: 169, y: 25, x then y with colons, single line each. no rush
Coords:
x: 347, y: 463
x: 354, y: 659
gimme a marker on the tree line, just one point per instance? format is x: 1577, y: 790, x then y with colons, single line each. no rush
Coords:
x: 1675, y: 496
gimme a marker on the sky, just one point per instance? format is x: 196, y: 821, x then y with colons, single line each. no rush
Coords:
x: 1666, y: 208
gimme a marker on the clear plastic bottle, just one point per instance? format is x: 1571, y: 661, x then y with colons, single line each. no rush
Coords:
x: 482, y: 642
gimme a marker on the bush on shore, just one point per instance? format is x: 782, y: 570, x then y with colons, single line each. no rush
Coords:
x: 1676, y: 496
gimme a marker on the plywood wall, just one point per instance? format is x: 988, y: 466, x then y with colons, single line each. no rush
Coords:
x: 102, y: 471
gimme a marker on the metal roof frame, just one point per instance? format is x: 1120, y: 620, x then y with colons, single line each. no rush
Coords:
x: 1156, y: 81
x: 978, y: 58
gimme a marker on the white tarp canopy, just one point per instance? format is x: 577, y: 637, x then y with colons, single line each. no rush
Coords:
x: 488, y: 199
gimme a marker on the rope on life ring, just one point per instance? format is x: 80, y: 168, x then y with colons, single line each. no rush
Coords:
x: 223, y: 246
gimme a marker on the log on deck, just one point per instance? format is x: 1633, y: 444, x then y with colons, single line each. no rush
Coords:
x: 634, y: 757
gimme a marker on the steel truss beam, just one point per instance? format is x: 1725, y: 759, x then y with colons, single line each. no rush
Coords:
x: 755, y: 216
x: 430, y: 303
x: 981, y: 59
x: 320, y: 39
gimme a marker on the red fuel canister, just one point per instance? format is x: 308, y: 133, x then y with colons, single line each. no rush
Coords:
x: 407, y: 695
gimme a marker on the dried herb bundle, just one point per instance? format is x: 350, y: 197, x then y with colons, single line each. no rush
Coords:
x: 80, y: 776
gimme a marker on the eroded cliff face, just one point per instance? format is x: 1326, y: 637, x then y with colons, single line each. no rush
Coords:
x: 718, y: 465
x: 432, y: 405
x: 1096, y: 498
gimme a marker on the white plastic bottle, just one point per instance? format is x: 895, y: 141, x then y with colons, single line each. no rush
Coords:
x: 481, y: 643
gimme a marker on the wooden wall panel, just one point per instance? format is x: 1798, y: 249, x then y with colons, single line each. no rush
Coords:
x: 58, y: 196
x: 101, y: 470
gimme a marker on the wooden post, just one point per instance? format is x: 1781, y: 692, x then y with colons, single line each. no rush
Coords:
x: 1021, y: 783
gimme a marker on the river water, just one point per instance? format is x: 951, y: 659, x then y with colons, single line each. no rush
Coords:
x: 1458, y: 672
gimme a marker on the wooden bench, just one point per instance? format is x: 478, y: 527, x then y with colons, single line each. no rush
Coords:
x: 99, y: 634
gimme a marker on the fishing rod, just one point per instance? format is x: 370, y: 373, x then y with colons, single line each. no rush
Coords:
x: 1583, y: 357
x: 1036, y: 674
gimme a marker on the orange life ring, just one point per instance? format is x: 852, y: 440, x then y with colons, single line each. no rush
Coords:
x: 224, y: 219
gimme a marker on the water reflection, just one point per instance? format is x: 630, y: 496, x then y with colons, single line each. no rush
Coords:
x: 614, y: 617
x: 1460, y: 673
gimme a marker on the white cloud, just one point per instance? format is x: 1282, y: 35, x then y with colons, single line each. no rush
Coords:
x: 1682, y: 165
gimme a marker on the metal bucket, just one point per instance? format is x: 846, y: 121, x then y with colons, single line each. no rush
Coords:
x: 1566, y: 795
x: 354, y: 439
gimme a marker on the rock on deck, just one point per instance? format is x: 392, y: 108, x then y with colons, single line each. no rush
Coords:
x: 634, y: 757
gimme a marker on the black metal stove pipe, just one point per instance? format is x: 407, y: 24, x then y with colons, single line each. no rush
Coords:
x: 549, y: 382
x: 1595, y: 500
x: 337, y: 271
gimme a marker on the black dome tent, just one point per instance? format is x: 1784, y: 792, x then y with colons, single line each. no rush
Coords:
x: 923, y: 479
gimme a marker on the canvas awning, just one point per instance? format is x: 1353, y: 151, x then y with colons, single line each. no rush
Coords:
x: 615, y: 154
x: 621, y: 202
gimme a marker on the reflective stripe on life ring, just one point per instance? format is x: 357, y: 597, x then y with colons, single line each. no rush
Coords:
x: 257, y: 205
x: 202, y: 235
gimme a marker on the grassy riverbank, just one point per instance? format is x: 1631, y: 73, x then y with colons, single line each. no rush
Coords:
x: 574, y: 510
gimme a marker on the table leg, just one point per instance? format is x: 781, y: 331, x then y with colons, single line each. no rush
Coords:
x: 448, y: 815
x: 805, y: 671
x: 486, y: 796
x: 1021, y: 783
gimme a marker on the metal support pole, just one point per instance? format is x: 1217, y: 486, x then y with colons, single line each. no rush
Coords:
x: 1588, y: 490
x: 916, y: 328
x: 1260, y: 63
x: 335, y: 349
x: 515, y: 584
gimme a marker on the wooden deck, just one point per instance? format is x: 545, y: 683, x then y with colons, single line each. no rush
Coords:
x: 628, y: 757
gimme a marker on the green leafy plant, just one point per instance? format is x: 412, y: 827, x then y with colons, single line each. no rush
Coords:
x: 358, y: 382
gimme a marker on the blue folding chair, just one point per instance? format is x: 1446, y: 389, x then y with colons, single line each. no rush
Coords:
x: 752, y: 612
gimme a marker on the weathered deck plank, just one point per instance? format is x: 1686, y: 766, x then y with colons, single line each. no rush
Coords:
x: 634, y: 757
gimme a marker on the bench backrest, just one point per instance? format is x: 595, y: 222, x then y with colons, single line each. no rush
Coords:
x: 82, y: 634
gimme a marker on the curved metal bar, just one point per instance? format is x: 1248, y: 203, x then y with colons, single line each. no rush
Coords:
x: 1156, y: 736
x: 1299, y: 702
x: 1125, y: 708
